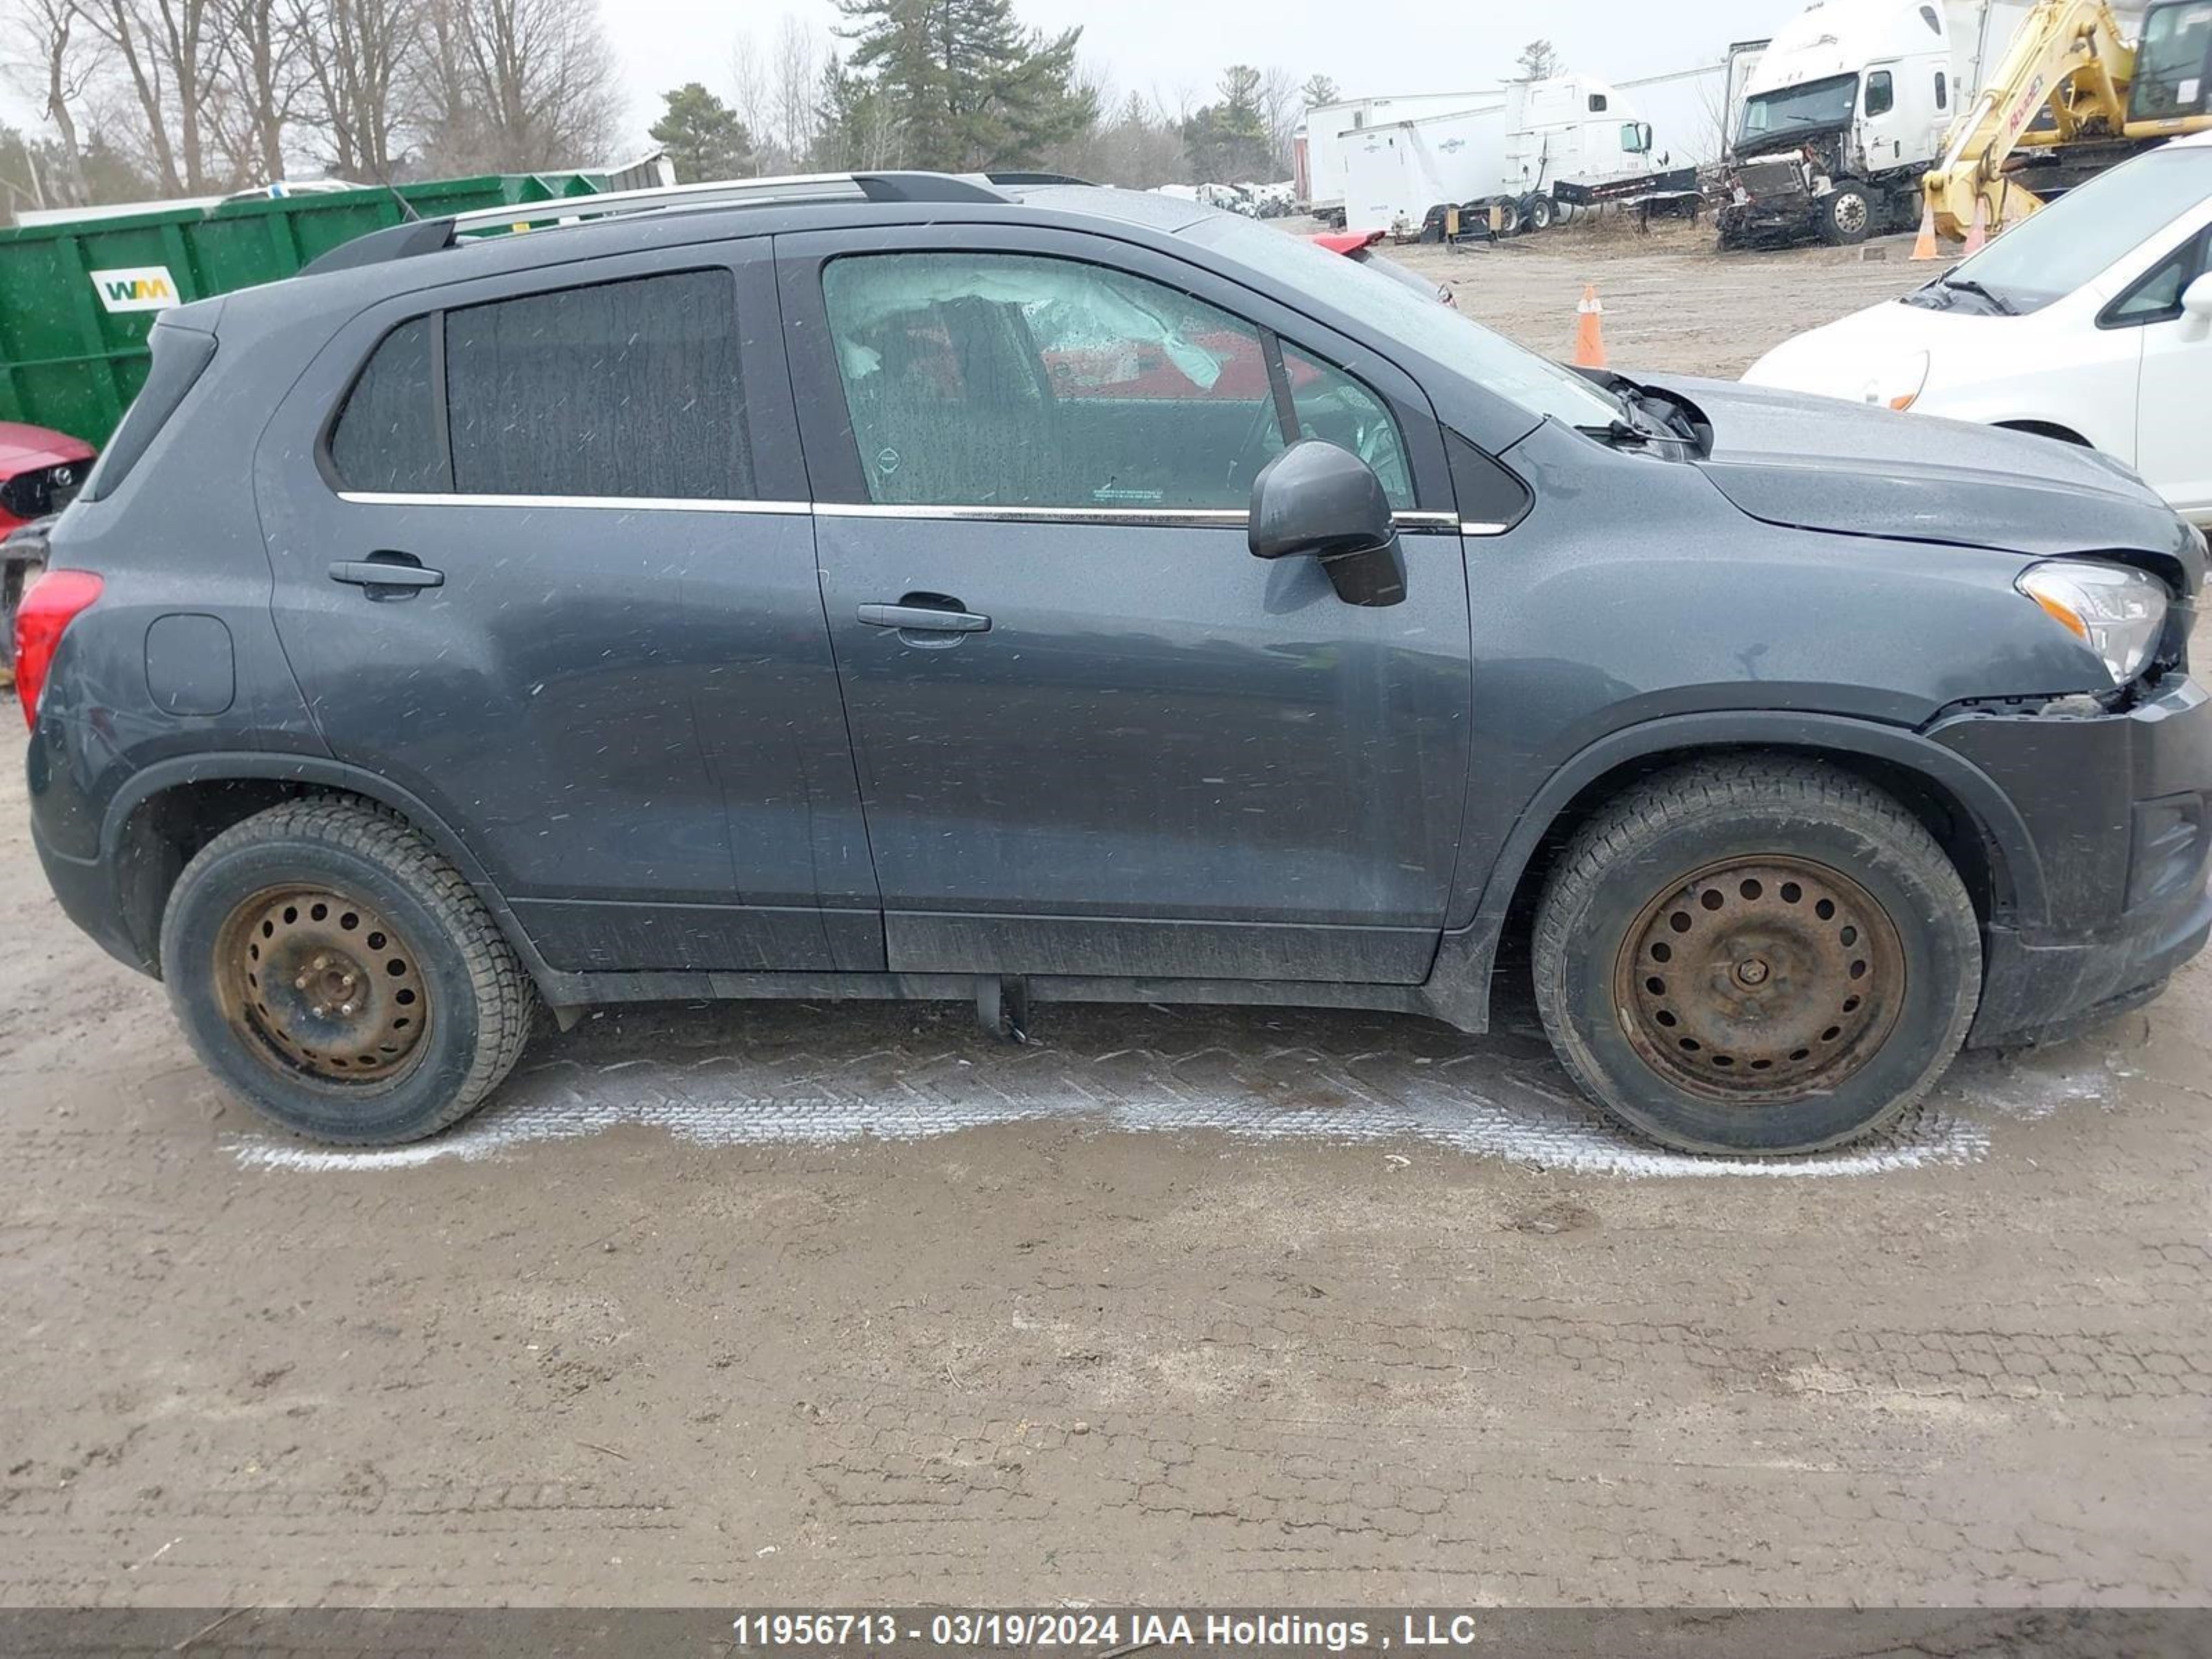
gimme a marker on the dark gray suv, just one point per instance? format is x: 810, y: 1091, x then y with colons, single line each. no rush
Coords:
x: 906, y: 586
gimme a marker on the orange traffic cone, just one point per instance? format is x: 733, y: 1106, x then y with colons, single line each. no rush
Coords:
x: 1589, y: 333
x: 1978, y: 237
x: 1924, y: 248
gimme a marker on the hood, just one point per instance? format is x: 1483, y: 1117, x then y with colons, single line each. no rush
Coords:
x: 1820, y: 464
x: 1836, y: 359
x: 22, y: 447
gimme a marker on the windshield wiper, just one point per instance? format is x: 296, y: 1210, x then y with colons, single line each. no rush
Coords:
x: 1617, y: 433
x: 1968, y: 285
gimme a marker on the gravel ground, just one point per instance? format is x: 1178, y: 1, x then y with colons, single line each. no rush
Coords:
x: 791, y: 1305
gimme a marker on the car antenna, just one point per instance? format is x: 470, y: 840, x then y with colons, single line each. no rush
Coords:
x: 406, y: 207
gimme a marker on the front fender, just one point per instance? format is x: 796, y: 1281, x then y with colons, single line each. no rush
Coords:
x: 1459, y: 988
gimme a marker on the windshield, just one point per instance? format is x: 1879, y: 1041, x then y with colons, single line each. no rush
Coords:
x: 2048, y: 256
x: 1815, y: 104
x: 1404, y: 312
x: 1400, y: 274
x: 2172, y: 64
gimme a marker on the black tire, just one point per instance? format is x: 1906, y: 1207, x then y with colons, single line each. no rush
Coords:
x: 457, y: 972
x: 1849, y: 215
x: 1901, y: 992
x: 1539, y: 212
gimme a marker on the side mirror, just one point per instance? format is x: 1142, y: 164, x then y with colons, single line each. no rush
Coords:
x: 1316, y: 499
x: 2196, y: 308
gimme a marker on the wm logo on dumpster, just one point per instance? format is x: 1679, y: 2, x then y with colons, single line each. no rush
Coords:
x: 140, y: 287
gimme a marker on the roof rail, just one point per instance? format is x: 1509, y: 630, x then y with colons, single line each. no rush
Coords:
x: 797, y: 187
x: 404, y: 241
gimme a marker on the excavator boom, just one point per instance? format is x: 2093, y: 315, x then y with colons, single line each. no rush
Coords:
x: 2070, y: 60
x: 2063, y: 93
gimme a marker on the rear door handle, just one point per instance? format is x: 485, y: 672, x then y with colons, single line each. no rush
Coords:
x: 387, y: 570
x: 924, y: 619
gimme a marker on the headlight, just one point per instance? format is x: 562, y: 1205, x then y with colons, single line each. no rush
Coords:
x: 2117, y: 612
x: 1899, y: 385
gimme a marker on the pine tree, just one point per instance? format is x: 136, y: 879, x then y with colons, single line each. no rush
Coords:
x: 1541, y: 61
x: 969, y: 88
x: 1228, y: 140
x: 1320, y: 92
x: 702, y: 135
x: 854, y: 128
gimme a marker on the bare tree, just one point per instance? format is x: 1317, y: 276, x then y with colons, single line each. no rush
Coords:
x: 360, y: 58
x: 260, y: 81
x: 1281, y: 109
x: 518, y: 85
x: 797, y: 70
x: 750, y: 96
x: 66, y: 62
x: 168, y: 64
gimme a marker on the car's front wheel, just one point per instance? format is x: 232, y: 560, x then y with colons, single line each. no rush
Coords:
x: 342, y: 977
x: 1756, y: 956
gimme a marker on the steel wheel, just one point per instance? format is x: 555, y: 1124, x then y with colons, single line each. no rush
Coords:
x: 1850, y: 217
x: 1760, y: 981
x: 317, y: 984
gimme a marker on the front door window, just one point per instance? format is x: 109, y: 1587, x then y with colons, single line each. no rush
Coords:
x: 1007, y: 380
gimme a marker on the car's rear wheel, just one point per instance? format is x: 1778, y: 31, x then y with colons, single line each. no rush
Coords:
x: 1756, y: 956
x: 338, y: 974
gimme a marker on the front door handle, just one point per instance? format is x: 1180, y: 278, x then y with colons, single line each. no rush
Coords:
x: 924, y: 619
x: 387, y: 570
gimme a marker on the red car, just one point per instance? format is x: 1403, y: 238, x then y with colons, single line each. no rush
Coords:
x: 1359, y: 246
x: 41, y: 472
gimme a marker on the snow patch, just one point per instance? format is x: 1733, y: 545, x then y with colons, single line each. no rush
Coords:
x: 1384, y: 1100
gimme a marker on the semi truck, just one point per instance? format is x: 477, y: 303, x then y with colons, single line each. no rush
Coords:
x: 1516, y: 152
x: 1848, y: 109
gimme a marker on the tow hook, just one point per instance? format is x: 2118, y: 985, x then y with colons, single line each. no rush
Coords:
x: 1002, y: 1008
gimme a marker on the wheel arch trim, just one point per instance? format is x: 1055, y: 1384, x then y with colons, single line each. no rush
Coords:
x: 229, y: 766
x: 1459, y: 987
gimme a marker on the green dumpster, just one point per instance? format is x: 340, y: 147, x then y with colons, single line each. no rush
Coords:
x: 77, y: 300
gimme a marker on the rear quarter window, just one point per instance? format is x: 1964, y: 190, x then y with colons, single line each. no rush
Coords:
x: 387, y: 437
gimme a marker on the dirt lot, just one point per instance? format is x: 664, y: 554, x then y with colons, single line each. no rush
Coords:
x: 780, y: 1306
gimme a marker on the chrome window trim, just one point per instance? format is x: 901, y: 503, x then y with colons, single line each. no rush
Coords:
x: 1169, y: 517
x: 1187, y: 517
x: 601, y: 503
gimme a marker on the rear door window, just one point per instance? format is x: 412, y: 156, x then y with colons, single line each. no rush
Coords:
x: 625, y: 390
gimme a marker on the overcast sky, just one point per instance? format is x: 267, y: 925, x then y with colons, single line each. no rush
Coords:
x: 1369, y: 47
x: 1172, y: 46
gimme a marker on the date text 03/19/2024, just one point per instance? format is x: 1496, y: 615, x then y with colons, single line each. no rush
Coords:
x: 1102, y: 1631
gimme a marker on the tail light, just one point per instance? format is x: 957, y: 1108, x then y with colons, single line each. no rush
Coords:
x: 55, y: 601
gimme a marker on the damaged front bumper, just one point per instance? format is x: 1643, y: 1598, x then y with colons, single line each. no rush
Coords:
x: 1771, y: 198
x: 2118, y: 807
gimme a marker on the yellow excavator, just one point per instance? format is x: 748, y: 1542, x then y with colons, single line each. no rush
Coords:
x: 2072, y: 97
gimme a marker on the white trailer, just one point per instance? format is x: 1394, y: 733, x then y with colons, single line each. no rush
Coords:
x: 1513, y: 151
x: 1319, y: 146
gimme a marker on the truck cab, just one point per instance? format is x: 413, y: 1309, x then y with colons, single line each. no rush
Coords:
x: 1847, y: 108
